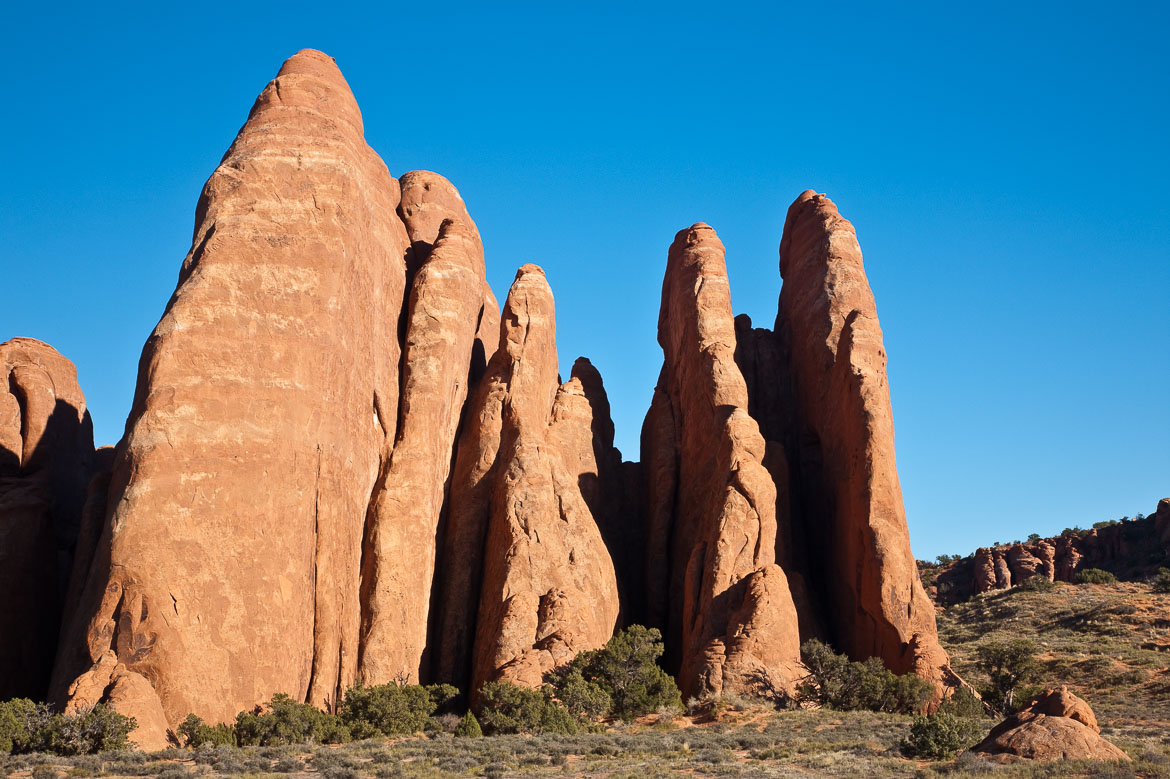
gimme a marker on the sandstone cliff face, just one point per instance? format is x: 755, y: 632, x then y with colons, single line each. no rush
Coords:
x: 730, y: 620
x: 847, y: 498
x: 228, y: 567
x: 46, y: 459
x: 344, y: 464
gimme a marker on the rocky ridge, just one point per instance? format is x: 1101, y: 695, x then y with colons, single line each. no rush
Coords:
x: 1132, y: 549
x: 344, y: 464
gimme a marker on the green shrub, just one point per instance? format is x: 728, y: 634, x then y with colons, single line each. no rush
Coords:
x: 964, y: 704
x: 468, y: 727
x: 194, y: 733
x: 839, y: 683
x: 1008, y: 665
x: 585, y: 700
x: 940, y: 736
x: 284, y: 721
x: 508, y: 708
x: 390, y: 709
x: 26, y: 726
x: 1037, y: 583
x: 1162, y: 580
x: 1095, y: 576
x: 626, y: 671
x: 15, y: 716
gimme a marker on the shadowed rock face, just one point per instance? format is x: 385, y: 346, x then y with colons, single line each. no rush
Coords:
x: 46, y: 459
x: 730, y: 619
x: 228, y: 567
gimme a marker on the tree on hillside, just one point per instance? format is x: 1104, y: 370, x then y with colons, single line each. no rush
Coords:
x: 1009, y: 665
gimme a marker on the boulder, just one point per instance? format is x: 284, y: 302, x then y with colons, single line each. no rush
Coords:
x: 1055, y: 725
x: 228, y: 566
x: 46, y: 461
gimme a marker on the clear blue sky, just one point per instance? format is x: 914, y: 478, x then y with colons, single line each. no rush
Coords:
x: 1005, y: 165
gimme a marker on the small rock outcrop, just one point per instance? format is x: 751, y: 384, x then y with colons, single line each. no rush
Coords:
x: 1055, y: 725
x: 46, y: 461
x: 730, y: 620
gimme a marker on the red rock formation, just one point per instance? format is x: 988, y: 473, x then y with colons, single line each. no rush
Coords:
x: 46, y: 458
x: 850, y: 498
x: 583, y: 432
x: 427, y: 200
x: 445, y: 304
x: 521, y: 541
x: 228, y: 568
x: 984, y: 578
x: 1055, y: 725
x: 730, y: 619
x: 1162, y: 521
x: 1123, y: 548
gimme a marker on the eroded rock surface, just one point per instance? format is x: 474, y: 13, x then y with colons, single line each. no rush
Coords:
x: 731, y: 623
x: 445, y: 304
x: 1055, y: 725
x: 228, y: 567
x: 522, y: 551
x: 46, y: 460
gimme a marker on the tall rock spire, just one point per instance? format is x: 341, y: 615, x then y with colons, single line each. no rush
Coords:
x: 848, y: 500
x: 399, y: 561
x: 526, y: 570
x: 731, y: 623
